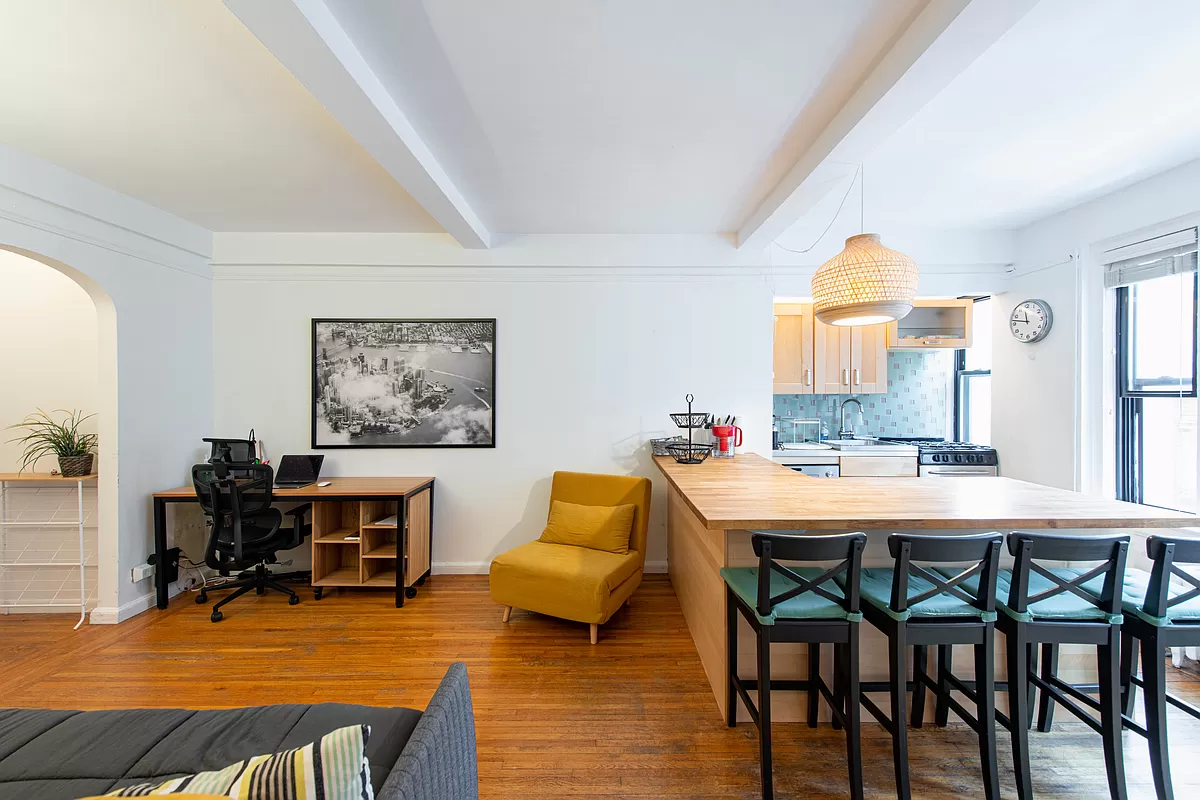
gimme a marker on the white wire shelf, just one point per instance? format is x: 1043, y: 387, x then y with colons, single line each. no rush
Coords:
x: 74, y: 564
x: 72, y: 523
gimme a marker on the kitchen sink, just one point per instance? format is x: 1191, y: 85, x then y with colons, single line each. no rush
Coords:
x: 871, y: 445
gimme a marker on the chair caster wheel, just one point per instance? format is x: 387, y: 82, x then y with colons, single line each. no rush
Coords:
x: 216, y: 616
x: 201, y: 598
x: 410, y: 592
x: 421, y: 581
x: 294, y: 600
x: 317, y: 593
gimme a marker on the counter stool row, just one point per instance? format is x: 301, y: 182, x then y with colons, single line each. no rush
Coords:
x: 950, y: 590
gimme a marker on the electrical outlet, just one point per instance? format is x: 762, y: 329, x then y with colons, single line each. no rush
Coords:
x: 142, y: 571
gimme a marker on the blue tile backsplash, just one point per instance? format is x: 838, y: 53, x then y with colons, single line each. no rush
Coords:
x: 919, y: 401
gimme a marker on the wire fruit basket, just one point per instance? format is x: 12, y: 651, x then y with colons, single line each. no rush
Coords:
x: 659, y: 447
x: 689, y: 452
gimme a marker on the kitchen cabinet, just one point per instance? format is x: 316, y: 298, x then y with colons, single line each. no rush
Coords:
x: 878, y: 466
x: 933, y: 324
x: 850, y: 360
x: 793, y: 356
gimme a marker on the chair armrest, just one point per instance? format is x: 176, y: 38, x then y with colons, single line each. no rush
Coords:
x: 439, y: 762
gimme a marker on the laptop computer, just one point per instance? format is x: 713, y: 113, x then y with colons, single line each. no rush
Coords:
x: 297, y: 471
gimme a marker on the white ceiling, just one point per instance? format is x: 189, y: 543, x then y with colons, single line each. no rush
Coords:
x: 177, y: 104
x: 1074, y: 101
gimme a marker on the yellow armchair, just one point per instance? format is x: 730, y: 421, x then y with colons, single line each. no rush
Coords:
x: 577, y: 583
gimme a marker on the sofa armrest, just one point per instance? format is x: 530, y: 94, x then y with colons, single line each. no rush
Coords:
x: 438, y: 762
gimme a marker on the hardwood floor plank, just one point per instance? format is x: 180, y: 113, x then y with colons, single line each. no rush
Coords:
x: 631, y: 717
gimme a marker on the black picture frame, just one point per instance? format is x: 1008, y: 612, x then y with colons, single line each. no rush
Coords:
x: 373, y: 442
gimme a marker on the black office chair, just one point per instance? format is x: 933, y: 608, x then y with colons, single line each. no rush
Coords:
x: 245, y: 532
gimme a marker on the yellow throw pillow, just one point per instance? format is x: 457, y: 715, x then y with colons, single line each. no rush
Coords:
x: 604, y: 528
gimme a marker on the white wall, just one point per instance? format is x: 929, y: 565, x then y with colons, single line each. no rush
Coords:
x: 148, y: 275
x: 50, y: 360
x: 1048, y: 417
x: 590, y: 362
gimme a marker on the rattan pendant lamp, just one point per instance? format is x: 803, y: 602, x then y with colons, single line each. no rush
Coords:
x: 866, y: 283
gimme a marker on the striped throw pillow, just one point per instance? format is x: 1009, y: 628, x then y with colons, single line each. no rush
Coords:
x: 334, y: 768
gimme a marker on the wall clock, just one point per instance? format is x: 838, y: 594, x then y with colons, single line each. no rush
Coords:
x: 1031, y: 321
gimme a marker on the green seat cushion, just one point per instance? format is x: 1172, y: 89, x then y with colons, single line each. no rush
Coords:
x: 876, y: 589
x: 1065, y: 606
x: 1133, y: 599
x: 809, y: 605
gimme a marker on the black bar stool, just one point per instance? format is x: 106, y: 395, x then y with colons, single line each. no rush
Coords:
x: 798, y: 605
x: 1060, y: 605
x: 919, y: 607
x: 1159, y: 613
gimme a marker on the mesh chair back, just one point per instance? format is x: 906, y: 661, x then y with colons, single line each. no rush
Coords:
x: 773, y: 547
x: 983, y: 549
x: 1167, y: 551
x: 1109, y: 553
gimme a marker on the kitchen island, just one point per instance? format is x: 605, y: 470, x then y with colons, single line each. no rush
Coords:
x: 711, y: 507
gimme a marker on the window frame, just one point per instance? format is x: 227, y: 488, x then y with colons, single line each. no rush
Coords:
x: 961, y: 392
x: 1129, y: 405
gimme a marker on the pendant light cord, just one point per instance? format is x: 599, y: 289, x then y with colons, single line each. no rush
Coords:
x: 836, y: 214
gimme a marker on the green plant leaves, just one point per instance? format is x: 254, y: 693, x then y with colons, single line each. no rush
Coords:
x: 45, y: 437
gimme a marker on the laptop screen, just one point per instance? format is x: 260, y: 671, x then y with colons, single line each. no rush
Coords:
x: 299, y: 469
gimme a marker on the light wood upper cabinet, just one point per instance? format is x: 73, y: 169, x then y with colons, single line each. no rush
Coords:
x: 793, y: 357
x: 868, y: 360
x: 850, y: 360
x: 933, y: 324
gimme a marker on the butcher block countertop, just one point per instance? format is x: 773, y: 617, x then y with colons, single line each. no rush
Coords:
x: 753, y: 492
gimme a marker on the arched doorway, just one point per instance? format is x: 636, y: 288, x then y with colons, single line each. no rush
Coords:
x: 105, y: 399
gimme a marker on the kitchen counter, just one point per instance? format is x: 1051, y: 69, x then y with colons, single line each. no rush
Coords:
x: 711, y: 508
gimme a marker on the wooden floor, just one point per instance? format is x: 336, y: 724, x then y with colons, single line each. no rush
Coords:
x: 630, y: 717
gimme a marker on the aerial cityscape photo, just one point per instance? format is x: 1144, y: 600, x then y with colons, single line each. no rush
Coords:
x: 404, y: 383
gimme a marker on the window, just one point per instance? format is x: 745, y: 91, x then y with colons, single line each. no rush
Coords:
x: 1156, y: 379
x: 973, y: 380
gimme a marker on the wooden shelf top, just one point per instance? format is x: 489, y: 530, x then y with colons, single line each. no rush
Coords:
x: 43, y: 477
x: 382, y: 551
x: 752, y: 492
x: 338, y: 536
x: 338, y: 488
x: 343, y: 576
x: 384, y: 578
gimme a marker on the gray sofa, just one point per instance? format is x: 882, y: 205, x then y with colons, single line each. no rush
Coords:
x: 414, y: 755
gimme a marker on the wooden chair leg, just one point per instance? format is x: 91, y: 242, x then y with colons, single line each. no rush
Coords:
x: 1129, y: 667
x: 985, y: 689
x: 764, y: 711
x: 595, y: 632
x: 814, y: 669
x: 1046, y: 703
x: 1018, y: 710
x: 507, y: 613
x: 731, y: 695
x: 945, y: 668
x: 1154, y: 673
x: 839, y: 681
x: 898, y: 669
x: 1110, y: 712
x: 920, y: 656
x: 853, y: 715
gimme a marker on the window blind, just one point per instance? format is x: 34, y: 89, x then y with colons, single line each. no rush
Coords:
x: 1172, y: 254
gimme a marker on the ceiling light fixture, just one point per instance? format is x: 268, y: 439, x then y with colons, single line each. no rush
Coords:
x: 866, y: 283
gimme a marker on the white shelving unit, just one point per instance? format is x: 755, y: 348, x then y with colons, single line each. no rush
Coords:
x: 8, y: 479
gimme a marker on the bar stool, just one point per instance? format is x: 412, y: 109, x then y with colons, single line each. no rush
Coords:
x: 916, y: 606
x: 798, y: 605
x: 1159, y: 613
x: 1059, y: 605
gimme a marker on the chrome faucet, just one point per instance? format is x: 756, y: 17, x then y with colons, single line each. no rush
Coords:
x: 847, y: 431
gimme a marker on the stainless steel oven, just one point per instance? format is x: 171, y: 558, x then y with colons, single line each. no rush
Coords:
x: 955, y: 471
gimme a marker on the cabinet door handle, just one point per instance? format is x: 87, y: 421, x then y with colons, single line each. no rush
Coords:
x: 857, y: 378
x: 846, y: 377
x: 808, y: 377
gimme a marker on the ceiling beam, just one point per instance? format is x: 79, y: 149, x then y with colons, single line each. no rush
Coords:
x: 942, y: 41
x: 308, y: 40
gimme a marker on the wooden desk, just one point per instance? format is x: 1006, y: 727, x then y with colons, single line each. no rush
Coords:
x: 412, y: 505
x: 713, y: 506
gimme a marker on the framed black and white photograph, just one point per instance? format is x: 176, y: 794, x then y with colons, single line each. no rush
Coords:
x: 404, y: 383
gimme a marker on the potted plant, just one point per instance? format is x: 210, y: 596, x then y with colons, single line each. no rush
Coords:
x: 46, y: 437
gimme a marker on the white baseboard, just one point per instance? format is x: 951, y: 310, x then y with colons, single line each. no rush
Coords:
x: 481, y: 567
x: 108, y: 615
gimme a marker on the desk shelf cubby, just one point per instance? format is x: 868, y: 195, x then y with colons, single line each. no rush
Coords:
x: 357, y: 543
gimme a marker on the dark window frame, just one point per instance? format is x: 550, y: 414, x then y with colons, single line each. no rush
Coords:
x: 1129, y: 402
x: 961, y: 386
